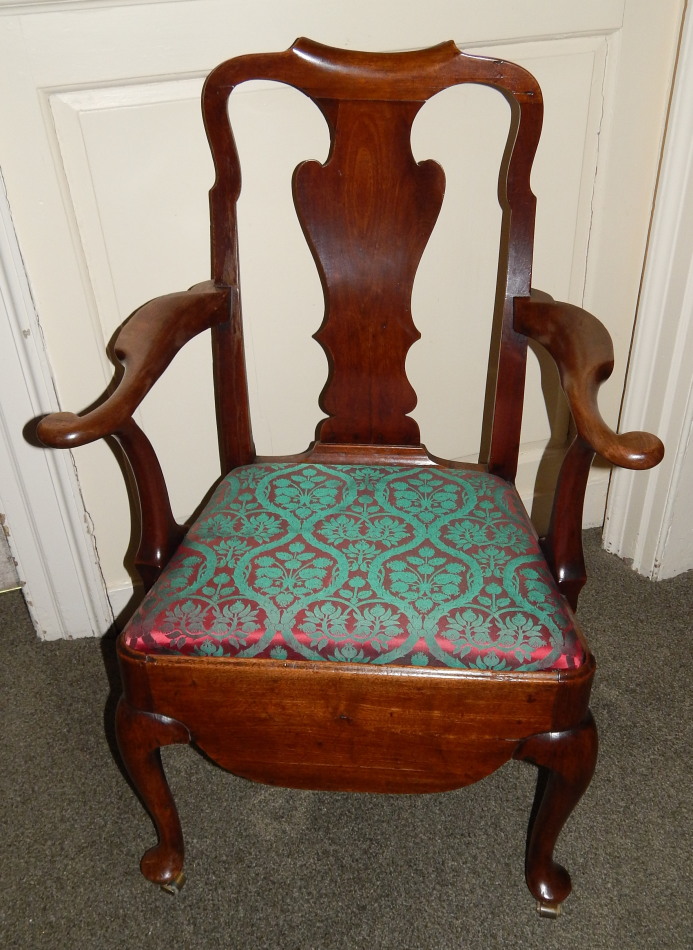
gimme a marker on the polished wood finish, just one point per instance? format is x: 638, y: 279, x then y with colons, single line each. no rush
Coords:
x: 582, y: 350
x: 321, y: 725
x: 143, y: 349
x: 140, y: 736
x: 566, y: 761
x: 368, y: 253
x: 367, y: 214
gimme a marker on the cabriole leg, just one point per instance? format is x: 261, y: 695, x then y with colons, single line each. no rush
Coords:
x: 566, y: 763
x: 140, y: 736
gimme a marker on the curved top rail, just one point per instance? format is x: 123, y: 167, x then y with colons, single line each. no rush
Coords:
x: 326, y: 72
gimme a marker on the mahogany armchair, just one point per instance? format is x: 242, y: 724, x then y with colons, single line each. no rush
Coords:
x: 363, y: 616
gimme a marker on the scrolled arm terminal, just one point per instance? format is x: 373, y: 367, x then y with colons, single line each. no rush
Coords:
x: 582, y: 350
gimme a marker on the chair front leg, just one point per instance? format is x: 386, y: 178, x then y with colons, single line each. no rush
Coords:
x: 566, y: 762
x: 140, y: 736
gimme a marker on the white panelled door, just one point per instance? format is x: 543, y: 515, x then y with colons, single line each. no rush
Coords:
x: 106, y: 170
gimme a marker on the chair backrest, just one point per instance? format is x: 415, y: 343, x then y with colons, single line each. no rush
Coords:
x: 367, y: 214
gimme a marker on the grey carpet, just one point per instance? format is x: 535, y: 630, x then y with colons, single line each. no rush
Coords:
x: 286, y: 870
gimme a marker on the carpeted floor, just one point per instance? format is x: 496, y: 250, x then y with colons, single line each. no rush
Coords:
x: 287, y: 870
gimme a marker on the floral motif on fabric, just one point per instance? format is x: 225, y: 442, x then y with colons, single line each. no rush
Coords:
x: 361, y: 564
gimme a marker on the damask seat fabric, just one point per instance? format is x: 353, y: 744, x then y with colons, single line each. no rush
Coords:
x: 413, y: 566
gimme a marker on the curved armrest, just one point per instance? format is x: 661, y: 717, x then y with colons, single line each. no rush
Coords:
x: 145, y: 346
x: 582, y: 350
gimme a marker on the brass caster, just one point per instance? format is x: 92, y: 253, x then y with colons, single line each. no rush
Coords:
x: 549, y: 910
x: 175, y: 885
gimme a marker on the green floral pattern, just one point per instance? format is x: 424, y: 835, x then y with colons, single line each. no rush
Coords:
x: 361, y: 564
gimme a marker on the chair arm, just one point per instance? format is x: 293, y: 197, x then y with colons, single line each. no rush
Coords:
x: 582, y: 350
x: 144, y: 347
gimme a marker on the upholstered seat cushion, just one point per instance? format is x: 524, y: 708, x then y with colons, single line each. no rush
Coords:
x: 379, y: 564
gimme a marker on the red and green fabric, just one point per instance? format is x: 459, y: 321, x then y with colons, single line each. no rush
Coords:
x: 412, y: 566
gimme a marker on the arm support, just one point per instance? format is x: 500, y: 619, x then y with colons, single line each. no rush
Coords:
x: 582, y: 350
x: 144, y: 347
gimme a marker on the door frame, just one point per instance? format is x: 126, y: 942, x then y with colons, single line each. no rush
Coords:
x: 47, y: 525
x: 643, y: 521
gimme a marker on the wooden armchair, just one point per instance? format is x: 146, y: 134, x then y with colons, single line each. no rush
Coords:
x: 363, y: 616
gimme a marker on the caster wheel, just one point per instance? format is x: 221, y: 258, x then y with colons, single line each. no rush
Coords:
x: 549, y: 910
x: 175, y: 885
